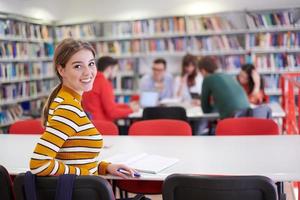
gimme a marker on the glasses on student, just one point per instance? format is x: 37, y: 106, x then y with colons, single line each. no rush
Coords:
x: 158, y: 70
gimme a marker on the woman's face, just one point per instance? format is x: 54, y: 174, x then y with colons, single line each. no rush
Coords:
x: 79, y: 72
x: 243, y: 77
x: 189, y: 69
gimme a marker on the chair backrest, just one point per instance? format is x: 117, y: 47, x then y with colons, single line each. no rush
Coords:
x: 160, y: 127
x: 85, y: 187
x: 193, y: 187
x: 6, y: 192
x: 28, y: 126
x: 106, y: 127
x: 247, y: 126
x: 178, y: 113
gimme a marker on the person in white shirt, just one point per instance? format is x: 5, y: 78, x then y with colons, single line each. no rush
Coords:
x: 187, y: 86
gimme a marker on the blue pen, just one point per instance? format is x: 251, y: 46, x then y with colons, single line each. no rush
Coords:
x: 123, y: 171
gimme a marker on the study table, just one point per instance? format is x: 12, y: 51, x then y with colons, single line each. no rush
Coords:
x: 276, y: 157
x: 194, y: 113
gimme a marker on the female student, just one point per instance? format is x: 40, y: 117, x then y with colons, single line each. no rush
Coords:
x: 188, y: 86
x: 252, y: 83
x: 70, y: 143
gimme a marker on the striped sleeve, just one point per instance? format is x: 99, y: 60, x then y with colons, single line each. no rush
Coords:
x: 63, y: 124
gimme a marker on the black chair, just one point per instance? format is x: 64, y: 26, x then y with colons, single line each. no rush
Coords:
x: 6, y: 191
x: 85, y: 187
x: 173, y: 112
x: 194, y: 187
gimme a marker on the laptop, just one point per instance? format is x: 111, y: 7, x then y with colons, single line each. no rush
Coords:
x: 149, y: 99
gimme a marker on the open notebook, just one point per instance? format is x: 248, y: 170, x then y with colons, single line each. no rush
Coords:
x: 143, y: 162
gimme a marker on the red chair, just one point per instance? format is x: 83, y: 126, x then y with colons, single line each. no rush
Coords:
x: 247, y: 126
x: 28, y: 126
x: 106, y: 127
x: 158, y: 127
x: 161, y: 127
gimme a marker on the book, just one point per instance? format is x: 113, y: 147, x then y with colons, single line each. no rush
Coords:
x: 143, y: 162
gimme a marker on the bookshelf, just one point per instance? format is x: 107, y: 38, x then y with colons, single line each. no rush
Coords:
x: 268, y: 38
x: 26, y: 72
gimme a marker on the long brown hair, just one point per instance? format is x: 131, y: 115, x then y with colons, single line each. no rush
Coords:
x: 187, y: 60
x: 63, y: 52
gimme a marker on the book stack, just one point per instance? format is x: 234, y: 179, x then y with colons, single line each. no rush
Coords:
x: 259, y: 20
x: 276, y: 61
x: 282, y: 40
x: 211, y: 23
x: 11, y: 114
x: 82, y: 31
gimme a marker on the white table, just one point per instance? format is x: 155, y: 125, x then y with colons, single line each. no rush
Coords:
x: 274, y: 156
x: 196, y: 112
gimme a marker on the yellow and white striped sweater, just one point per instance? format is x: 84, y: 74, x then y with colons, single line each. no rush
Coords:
x: 70, y: 143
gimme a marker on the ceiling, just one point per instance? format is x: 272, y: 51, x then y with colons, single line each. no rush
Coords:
x: 74, y: 11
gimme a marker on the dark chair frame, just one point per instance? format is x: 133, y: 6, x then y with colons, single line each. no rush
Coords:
x: 85, y: 187
x: 172, y: 112
x: 6, y: 190
x: 192, y: 187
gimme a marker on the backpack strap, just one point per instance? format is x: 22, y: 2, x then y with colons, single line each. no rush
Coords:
x: 30, y: 189
x: 64, y: 188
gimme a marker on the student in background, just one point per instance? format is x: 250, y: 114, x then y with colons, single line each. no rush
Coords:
x: 187, y: 87
x: 159, y: 80
x: 220, y: 90
x: 100, y: 101
x: 71, y: 143
x: 252, y: 83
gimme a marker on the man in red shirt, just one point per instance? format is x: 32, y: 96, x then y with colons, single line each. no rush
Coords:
x: 99, y: 102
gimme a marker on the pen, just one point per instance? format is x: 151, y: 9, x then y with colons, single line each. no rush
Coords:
x: 123, y: 171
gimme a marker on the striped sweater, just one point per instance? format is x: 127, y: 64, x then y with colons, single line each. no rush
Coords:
x: 70, y: 143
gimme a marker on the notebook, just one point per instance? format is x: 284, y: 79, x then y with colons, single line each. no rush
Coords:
x: 149, y: 99
x: 143, y: 162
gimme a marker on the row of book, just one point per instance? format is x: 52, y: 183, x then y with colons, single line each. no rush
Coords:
x: 212, y: 23
x: 12, y: 71
x: 229, y: 63
x: 258, y: 20
x: 25, y: 50
x: 10, y: 27
x: 267, y: 40
x: 122, y: 98
x: 10, y: 92
x: 144, y: 27
x: 276, y: 61
x: 127, y: 83
x: 10, y: 114
x: 215, y: 43
x: 179, y: 24
x: 211, y: 43
x: 142, y: 46
x: 76, y: 31
x: 127, y: 65
x: 271, y: 81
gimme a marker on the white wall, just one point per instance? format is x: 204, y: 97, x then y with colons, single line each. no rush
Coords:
x: 74, y: 11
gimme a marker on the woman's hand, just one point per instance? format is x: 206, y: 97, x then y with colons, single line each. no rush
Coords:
x: 113, y: 170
